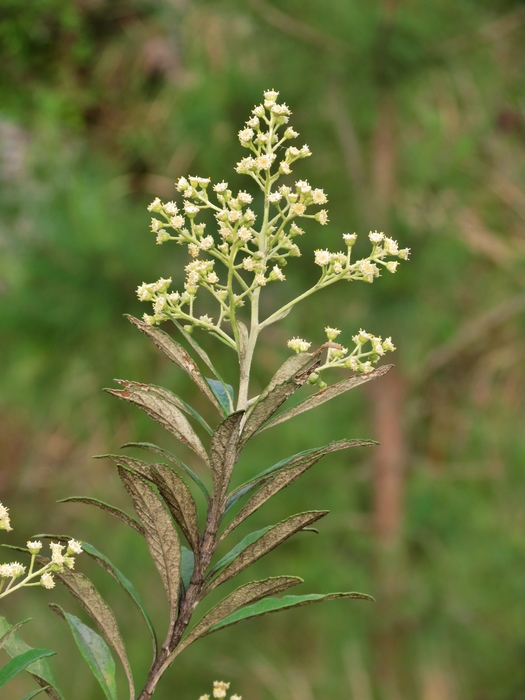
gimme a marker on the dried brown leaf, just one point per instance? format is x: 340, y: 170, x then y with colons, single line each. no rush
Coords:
x: 179, y: 500
x: 224, y: 450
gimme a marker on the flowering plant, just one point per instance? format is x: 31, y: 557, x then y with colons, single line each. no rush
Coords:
x: 233, y: 267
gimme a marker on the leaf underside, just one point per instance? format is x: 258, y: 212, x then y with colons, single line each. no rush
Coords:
x: 223, y: 452
x: 179, y: 501
x: 116, y: 512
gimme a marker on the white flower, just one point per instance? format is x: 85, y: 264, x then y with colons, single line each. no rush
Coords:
x: 319, y: 196
x: 290, y: 133
x: 202, y: 181
x: 5, y: 571
x: 234, y: 216
x: 245, y: 198
x: 191, y: 209
x: 274, y: 197
x: 298, y: 345
x: 5, y: 523
x: 322, y: 217
x: 404, y: 253
x: 391, y: 266
x: 212, y: 278
x: 155, y: 225
x: 177, y: 221
x: 269, y: 95
x: 145, y: 292
x: 182, y: 184
x: 193, y: 250
x: 248, y: 264
x: 220, y: 187
x: 284, y: 167
x: 34, y: 546
x: 219, y: 689
x: 390, y: 246
x: 376, y: 237
x: 322, y: 257
x: 260, y: 279
x: 235, y: 697
x: 305, y: 152
x: 47, y: 580
x: 368, y: 269
x: 206, y: 243
x: 17, y: 569
x: 204, y: 697
x: 170, y: 208
x: 148, y: 320
x: 245, y: 136
x: 281, y: 109
x: 332, y: 333
x: 162, y: 237
x: 156, y: 205
x: 298, y: 209
x: 253, y: 123
x: 205, y: 319
x: 349, y: 239
x: 265, y: 161
x: 296, y: 230
x: 303, y: 186
x: 161, y: 285
x: 244, y: 234
x: 258, y: 110
x: 388, y: 345
x: 277, y: 274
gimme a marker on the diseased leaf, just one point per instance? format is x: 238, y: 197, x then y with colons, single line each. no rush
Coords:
x: 130, y: 589
x: 96, y: 607
x: 285, y: 382
x: 171, y: 457
x: 324, y: 395
x: 239, y: 547
x: 187, y: 565
x: 164, y: 412
x: 277, y: 480
x: 177, y: 354
x: 116, y: 512
x: 12, y: 630
x: 223, y: 452
x: 269, y: 605
x: 40, y: 671
x: 94, y: 650
x: 162, y: 539
x: 179, y: 501
x: 137, y: 465
x: 270, y: 539
x: 20, y: 663
x: 249, y: 593
x: 223, y: 394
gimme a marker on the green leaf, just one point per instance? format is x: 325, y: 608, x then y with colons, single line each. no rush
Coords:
x: 223, y: 452
x: 162, y: 539
x: 20, y: 663
x: 9, y: 633
x: 130, y: 589
x: 40, y: 671
x: 177, y: 354
x: 270, y: 605
x: 187, y: 565
x: 90, y: 599
x: 95, y: 651
x: 223, y: 394
x: 285, y: 382
x: 168, y: 455
x: 249, y: 593
x: 240, y: 547
x: 179, y: 501
x: 270, y: 539
x: 276, y: 480
x: 116, y: 512
x: 324, y: 395
x: 35, y: 693
x: 161, y: 410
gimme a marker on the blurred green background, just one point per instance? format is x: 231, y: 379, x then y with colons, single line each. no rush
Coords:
x: 415, y: 114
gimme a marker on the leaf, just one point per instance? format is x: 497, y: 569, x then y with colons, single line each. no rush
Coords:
x: 160, y: 534
x: 289, y: 377
x: 179, y: 501
x: 116, y: 512
x: 269, y: 540
x: 239, y: 547
x: 168, y: 455
x: 223, y: 452
x: 177, y: 354
x: 277, y: 480
x: 130, y: 589
x: 246, y: 594
x: 5, y: 637
x: 164, y: 412
x: 35, y: 693
x: 96, y: 607
x: 187, y: 566
x: 94, y: 650
x: 324, y: 395
x: 137, y: 465
x: 40, y: 671
x: 269, y: 605
x: 20, y: 663
x: 223, y: 393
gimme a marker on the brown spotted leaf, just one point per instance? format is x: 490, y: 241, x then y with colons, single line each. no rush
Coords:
x: 245, y: 595
x: 269, y: 539
x: 177, y: 354
x: 179, y: 501
x: 116, y: 512
x: 276, y: 480
x: 160, y: 534
x: 289, y: 377
x: 165, y: 412
x: 224, y: 450
x: 324, y: 395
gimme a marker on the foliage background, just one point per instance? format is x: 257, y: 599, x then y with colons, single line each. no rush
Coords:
x: 415, y: 113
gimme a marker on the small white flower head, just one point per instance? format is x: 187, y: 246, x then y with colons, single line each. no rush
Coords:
x: 245, y: 198
x: 177, y: 221
x: 253, y: 123
x: 258, y: 110
x: 265, y: 161
x: 322, y: 257
x: 332, y: 333
x: 17, y: 569
x: 352, y: 363
x: 274, y: 197
x: 377, y: 346
x: 246, y: 136
x: 47, y: 580
x: 234, y: 216
x: 190, y: 209
x: 376, y: 237
x: 291, y: 133
x: 206, y: 243
x: 322, y: 217
x: 390, y: 246
x: 277, y: 274
x: 298, y: 345
x: 368, y: 269
x: 281, y: 110
x: 404, y: 253
x: 303, y: 186
x: 155, y: 225
x: 298, y: 209
x: 296, y: 230
x: 366, y: 367
x: 248, y: 264
x: 162, y: 285
x: 236, y: 697
x: 212, y: 278
x: 202, y: 181
x: 388, y: 345
x: 319, y: 197
x: 305, y: 152
x: 219, y: 689
x: 145, y: 292
x: 170, y: 208
x: 34, y: 546
x: 220, y: 187
x: 5, y: 570
x: 284, y: 168
x: 206, y: 319
x: 148, y: 320
x: 155, y: 206
x: 244, y: 234
x: 182, y: 184
x: 204, y: 697
x: 349, y: 239
x: 162, y: 237
x: 5, y: 523
x: 249, y: 216
x: 193, y: 250
x: 74, y: 547
x: 391, y: 266
x: 260, y: 280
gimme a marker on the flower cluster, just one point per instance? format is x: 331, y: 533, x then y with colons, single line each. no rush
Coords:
x: 368, y: 349
x: 60, y: 560
x: 219, y: 691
